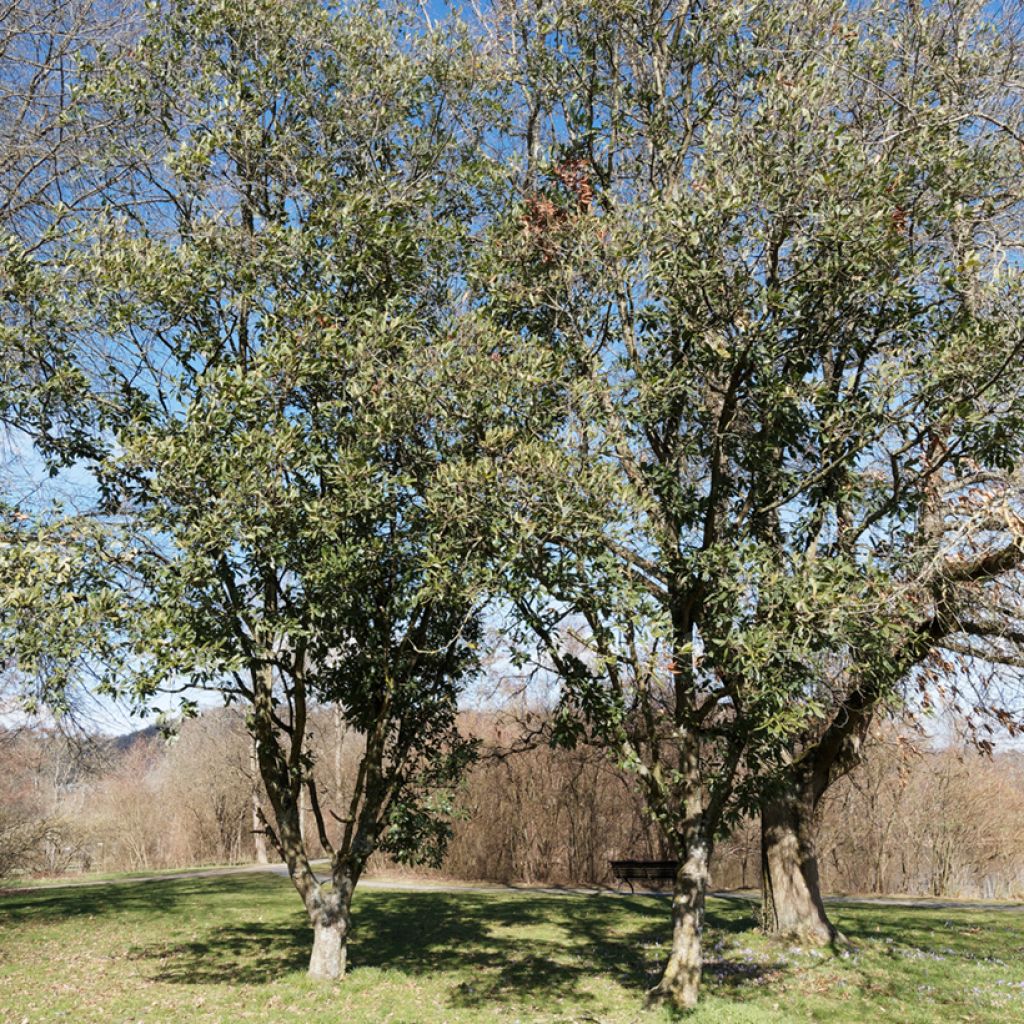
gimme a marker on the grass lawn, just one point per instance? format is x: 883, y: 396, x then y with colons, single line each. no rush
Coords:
x: 91, y: 877
x: 84, y: 877
x: 233, y: 949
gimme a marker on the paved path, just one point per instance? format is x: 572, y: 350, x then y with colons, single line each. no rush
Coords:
x: 427, y: 885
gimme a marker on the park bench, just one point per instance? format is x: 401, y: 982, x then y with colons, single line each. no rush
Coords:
x: 631, y: 871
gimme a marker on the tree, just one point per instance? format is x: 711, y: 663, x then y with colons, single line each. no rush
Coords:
x: 47, y: 578
x: 262, y: 309
x: 962, y: 557
x: 40, y: 42
x: 966, y: 629
x: 43, y: 175
x: 768, y: 252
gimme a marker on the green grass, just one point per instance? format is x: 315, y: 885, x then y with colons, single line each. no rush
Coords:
x: 89, y: 877
x: 233, y: 949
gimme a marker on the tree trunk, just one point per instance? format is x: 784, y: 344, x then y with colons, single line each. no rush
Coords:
x: 330, y: 936
x: 680, y: 982
x: 791, y: 891
x: 259, y: 834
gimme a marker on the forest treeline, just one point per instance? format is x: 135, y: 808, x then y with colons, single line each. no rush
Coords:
x: 916, y: 817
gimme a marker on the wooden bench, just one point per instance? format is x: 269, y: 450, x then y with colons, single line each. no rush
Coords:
x: 631, y: 871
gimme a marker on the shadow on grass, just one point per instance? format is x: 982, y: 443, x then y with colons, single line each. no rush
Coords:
x: 252, y: 954
x: 937, y: 932
x: 492, y: 948
x: 504, y: 947
x: 146, y: 898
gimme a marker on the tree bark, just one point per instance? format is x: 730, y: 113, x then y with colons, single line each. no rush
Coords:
x: 680, y: 982
x: 331, y: 918
x: 791, y: 891
x: 259, y: 834
x: 330, y: 945
x: 259, y: 831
